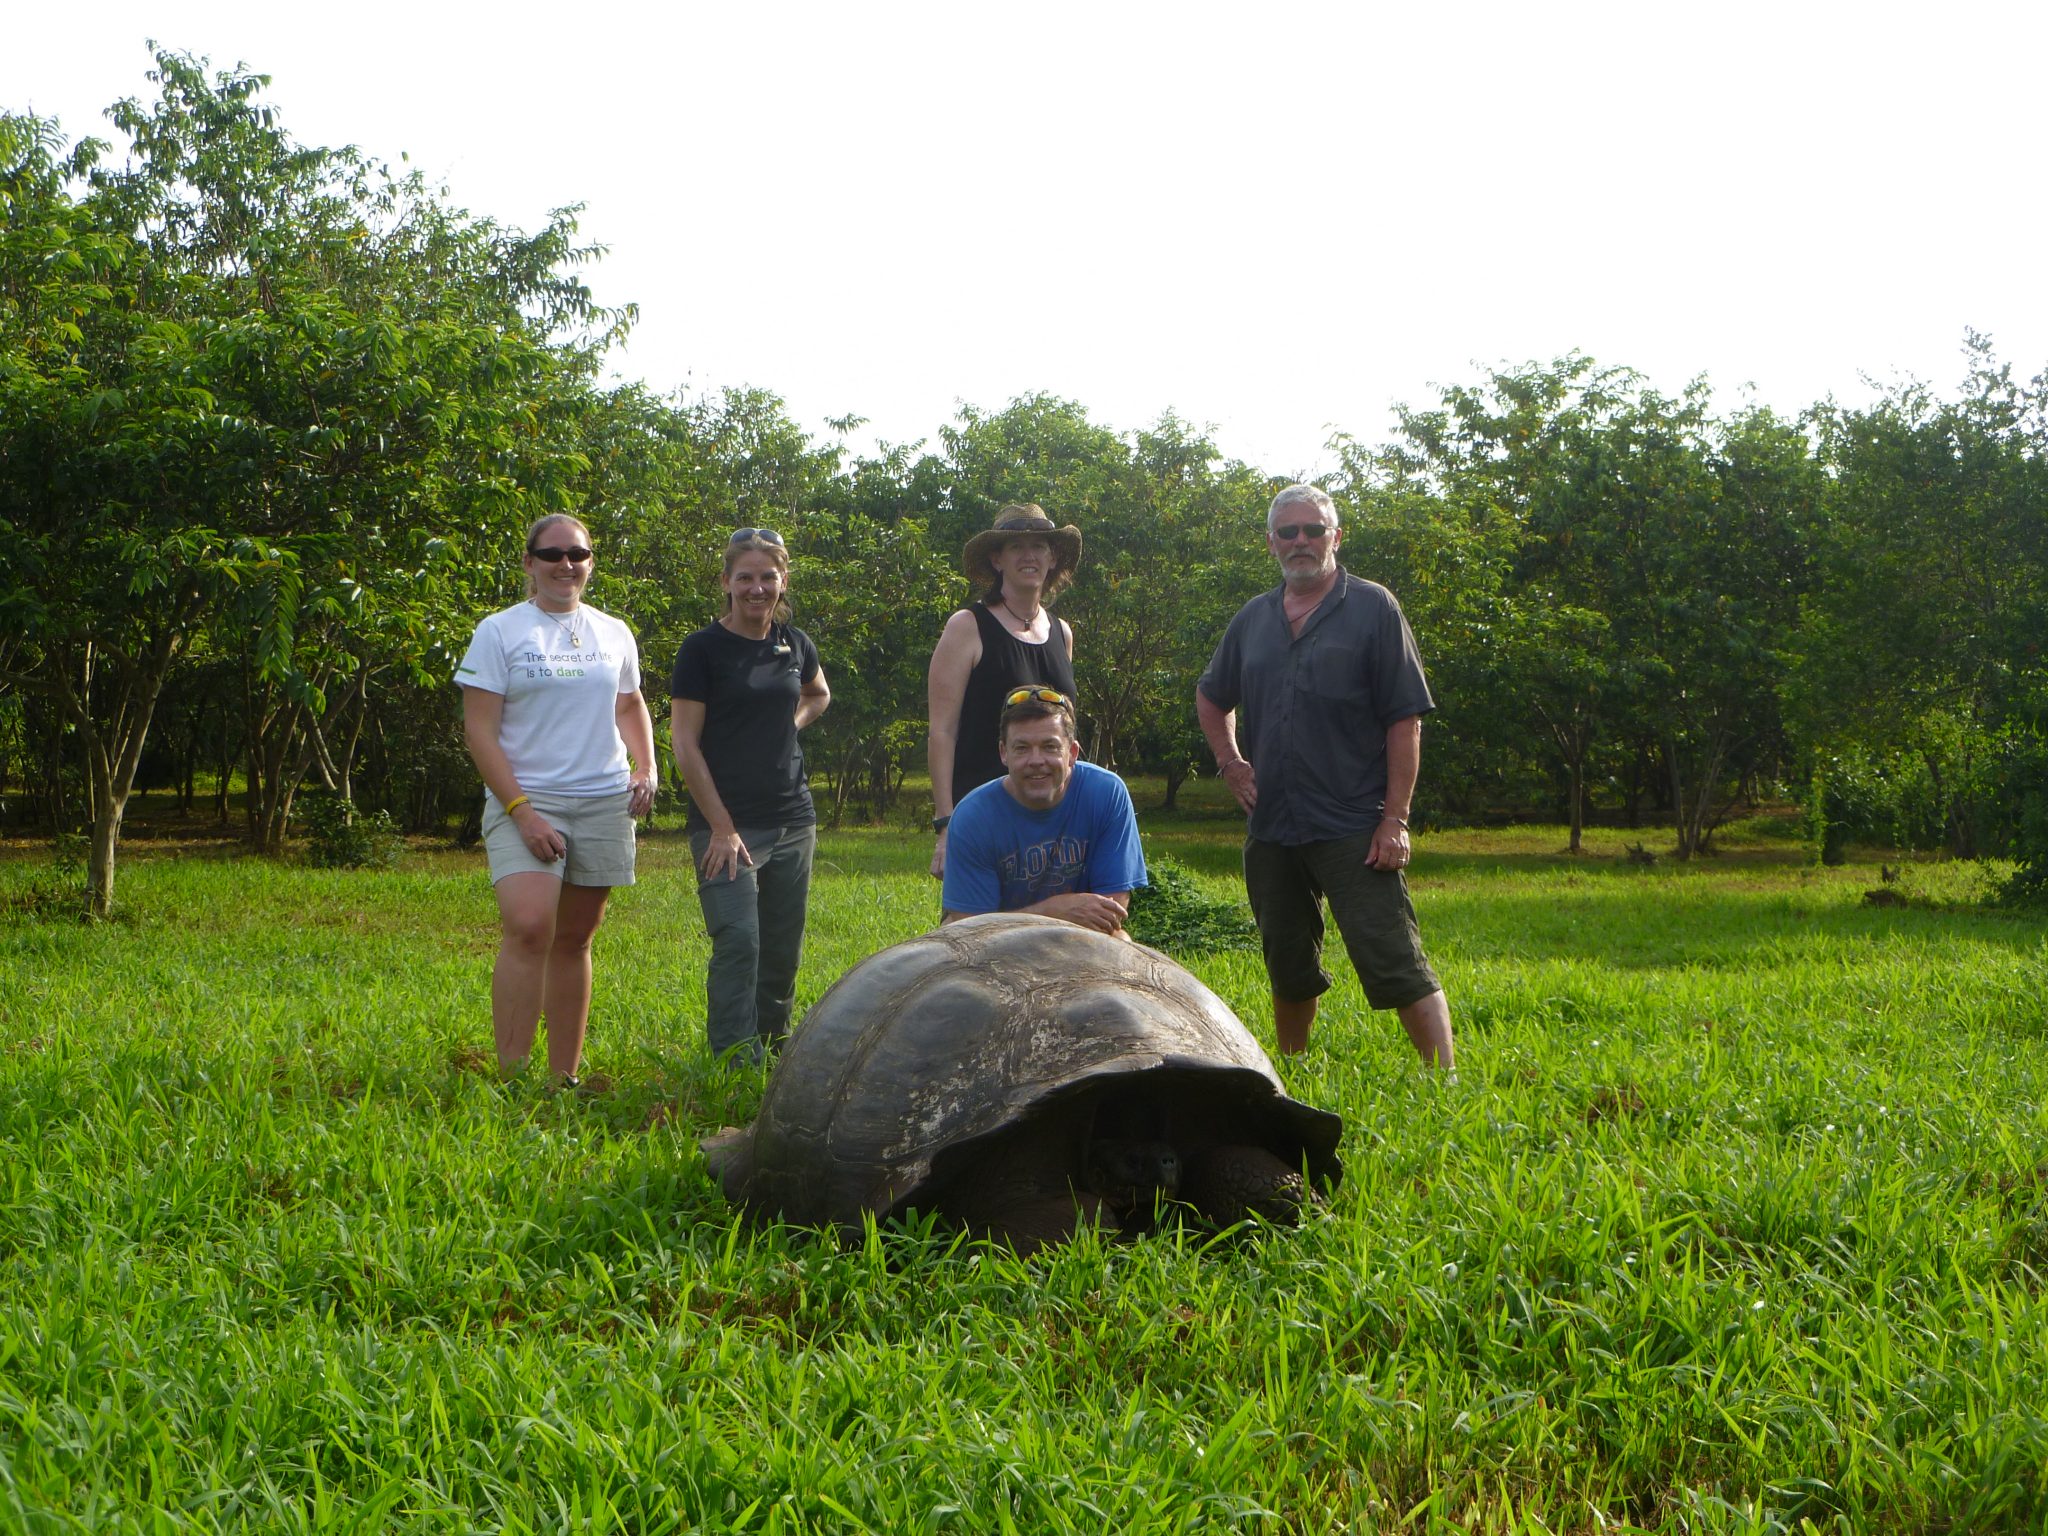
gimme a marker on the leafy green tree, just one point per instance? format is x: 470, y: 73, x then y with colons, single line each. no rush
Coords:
x: 282, y: 392
x: 397, y: 375
x: 107, y: 442
x: 1172, y: 559
x: 874, y: 591
x: 1468, y: 516
x: 1648, y: 559
x: 1923, y: 637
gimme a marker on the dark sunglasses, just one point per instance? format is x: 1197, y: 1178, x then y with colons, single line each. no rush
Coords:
x: 1287, y: 532
x: 1043, y: 695
x: 765, y: 535
x: 575, y: 554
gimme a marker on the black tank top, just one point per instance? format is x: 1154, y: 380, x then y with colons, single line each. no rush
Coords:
x: 1006, y: 663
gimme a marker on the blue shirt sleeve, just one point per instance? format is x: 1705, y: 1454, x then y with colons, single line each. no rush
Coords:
x: 1116, y: 859
x: 971, y: 886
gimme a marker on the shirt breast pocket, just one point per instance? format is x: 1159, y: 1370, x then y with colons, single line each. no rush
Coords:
x: 1337, y: 672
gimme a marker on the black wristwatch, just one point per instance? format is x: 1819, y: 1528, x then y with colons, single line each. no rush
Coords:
x: 939, y: 823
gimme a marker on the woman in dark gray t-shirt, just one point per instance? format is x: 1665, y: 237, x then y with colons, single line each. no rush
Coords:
x: 741, y: 690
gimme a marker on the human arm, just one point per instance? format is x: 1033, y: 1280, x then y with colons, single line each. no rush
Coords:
x: 483, y: 712
x: 1219, y: 729
x: 1404, y: 761
x: 954, y: 657
x: 1102, y: 911
x: 727, y: 854
x: 636, y: 729
x: 812, y: 699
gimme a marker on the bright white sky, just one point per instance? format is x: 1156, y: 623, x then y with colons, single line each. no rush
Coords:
x: 1273, y: 219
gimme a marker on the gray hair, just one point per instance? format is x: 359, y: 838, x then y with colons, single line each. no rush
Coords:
x: 1310, y: 495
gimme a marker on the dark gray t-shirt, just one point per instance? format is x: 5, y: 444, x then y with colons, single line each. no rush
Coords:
x: 750, y: 690
x: 1313, y: 710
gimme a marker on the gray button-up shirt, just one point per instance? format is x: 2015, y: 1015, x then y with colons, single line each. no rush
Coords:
x: 1313, y: 709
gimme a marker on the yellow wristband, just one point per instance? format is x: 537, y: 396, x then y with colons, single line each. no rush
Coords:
x: 514, y: 805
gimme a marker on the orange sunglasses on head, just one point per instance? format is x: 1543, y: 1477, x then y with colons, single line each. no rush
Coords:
x: 1043, y: 695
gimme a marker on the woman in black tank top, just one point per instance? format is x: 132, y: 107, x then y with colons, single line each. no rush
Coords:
x: 1004, y: 640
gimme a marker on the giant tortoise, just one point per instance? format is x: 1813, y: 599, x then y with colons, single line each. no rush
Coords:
x: 1019, y: 1075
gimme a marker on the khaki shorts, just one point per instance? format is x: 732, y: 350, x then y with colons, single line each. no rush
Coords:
x: 1371, y: 907
x: 598, y: 830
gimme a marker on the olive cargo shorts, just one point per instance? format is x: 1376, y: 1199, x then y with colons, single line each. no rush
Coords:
x: 1372, y: 909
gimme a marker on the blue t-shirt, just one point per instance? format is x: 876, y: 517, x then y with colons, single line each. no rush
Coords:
x: 1001, y: 857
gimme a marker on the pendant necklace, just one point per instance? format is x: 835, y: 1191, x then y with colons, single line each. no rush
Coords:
x: 1027, y: 623
x: 569, y: 626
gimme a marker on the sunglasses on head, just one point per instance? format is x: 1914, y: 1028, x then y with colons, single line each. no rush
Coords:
x: 1043, y: 695
x: 1287, y: 532
x: 765, y: 535
x: 575, y: 554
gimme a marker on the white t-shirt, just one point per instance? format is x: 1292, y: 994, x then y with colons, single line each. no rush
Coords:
x: 561, y: 676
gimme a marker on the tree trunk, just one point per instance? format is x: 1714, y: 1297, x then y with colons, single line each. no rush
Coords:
x: 99, y: 868
x: 1694, y: 812
x: 1176, y: 775
x: 227, y: 749
x: 1675, y: 775
x: 113, y: 752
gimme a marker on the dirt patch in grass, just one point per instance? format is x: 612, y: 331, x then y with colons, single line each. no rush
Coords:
x: 1622, y: 1103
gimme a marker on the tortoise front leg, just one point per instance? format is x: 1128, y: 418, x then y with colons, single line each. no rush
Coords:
x: 1229, y: 1183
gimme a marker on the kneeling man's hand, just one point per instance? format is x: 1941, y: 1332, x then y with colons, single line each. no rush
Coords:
x: 1105, y: 914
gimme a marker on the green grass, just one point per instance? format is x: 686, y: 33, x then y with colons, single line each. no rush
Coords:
x: 1735, y: 1219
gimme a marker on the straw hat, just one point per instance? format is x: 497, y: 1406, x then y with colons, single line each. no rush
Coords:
x: 1020, y: 520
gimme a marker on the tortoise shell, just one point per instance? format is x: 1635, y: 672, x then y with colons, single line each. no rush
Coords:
x: 927, y: 1055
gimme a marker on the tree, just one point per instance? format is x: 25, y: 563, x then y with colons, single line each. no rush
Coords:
x: 1922, y: 639
x: 107, y: 434
x: 292, y: 393
x: 1625, y: 564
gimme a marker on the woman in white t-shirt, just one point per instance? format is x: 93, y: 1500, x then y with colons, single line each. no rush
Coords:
x: 553, y: 715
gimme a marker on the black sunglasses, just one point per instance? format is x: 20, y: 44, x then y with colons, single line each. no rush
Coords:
x: 765, y: 535
x: 1286, y: 532
x: 575, y: 554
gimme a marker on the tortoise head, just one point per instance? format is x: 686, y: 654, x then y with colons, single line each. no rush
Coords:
x: 1128, y: 1175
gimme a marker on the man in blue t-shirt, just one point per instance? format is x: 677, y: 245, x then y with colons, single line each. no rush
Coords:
x: 1054, y: 835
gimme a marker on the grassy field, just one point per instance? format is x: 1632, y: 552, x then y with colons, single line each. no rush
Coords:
x: 1735, y: 1218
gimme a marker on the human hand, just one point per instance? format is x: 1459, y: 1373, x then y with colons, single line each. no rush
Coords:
x: 640, y: 794
x: 725, y: 857
x: 1244, y: 783
x: 939, y: 856
x: 1389, y: 845
x: 1087, y: 909
x: 542, y: 840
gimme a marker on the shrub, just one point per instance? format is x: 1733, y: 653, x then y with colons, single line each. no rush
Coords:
x: 1853, y: 800
x: 2026, y: 804
x: 338, y: 836
x: 1173, y: 913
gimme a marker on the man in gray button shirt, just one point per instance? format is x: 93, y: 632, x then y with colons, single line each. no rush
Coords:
x: 1325, y: 673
